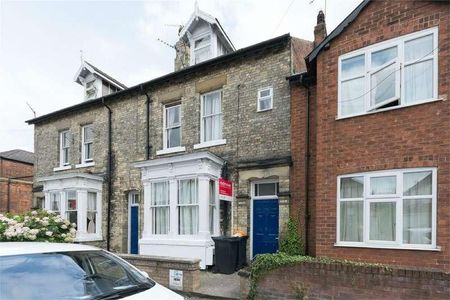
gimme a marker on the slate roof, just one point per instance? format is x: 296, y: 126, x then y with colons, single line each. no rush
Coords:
x: 273, y: 43
x: 18, y: 155
x: 106, y: 75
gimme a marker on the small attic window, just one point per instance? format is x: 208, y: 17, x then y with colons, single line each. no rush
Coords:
x: 91, y: 90
x: 202, y: 49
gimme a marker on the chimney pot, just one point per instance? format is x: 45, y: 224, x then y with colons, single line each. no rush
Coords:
x: 320, y: 30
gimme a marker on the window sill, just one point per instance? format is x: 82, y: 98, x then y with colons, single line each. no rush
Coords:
x: 210, y: 144
x: 170, y: 150
x: 263, y: 110
x: 62, y: 168
x: 89, y: 238
x: 388, y: 109
x: 85, y: 165
x: 437, y: 248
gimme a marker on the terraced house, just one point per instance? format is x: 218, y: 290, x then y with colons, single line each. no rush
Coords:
x: 161, y: 167
x: 374, y: 110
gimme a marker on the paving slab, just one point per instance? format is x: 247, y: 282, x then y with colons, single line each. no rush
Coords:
x: 217, y: 286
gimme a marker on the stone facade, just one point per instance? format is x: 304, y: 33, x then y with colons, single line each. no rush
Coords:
x: 252, y: 138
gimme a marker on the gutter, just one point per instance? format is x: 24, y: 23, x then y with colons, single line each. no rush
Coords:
x: 109, y: 176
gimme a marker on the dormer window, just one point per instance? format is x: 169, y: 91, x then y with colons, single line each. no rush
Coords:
x: 91, y: 90
x: 202, y: 49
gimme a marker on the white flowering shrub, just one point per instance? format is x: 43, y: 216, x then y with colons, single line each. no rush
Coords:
x: 37, y: 226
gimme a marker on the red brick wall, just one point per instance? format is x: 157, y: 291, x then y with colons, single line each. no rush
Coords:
x: 417, y: 136
x: 20, y: 190
x: 335, y: 281
x: 20, y: 193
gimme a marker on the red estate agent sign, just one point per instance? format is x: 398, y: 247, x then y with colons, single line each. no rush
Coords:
x: 225, y: 189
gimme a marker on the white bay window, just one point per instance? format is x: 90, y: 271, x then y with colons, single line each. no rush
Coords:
x: 388, y: 209
x: 78, y: 199
x: 181, y: 201
x: 393, y: 73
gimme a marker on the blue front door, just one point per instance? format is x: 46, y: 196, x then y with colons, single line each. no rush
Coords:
x: 134, y: 229
x: 265, y: 226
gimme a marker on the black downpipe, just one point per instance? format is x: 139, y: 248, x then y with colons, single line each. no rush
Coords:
x: 307, y: 157
x: 8, y: 203
x: 109, y: 176
x: 148, y: 147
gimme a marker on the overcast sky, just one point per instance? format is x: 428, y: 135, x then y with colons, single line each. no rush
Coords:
x: 40, y: 43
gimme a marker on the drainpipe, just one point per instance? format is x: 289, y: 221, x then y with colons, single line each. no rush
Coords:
x: 8, y: 200
x: 148, y: 147
x: 306, y: 172
x: 109, y: 176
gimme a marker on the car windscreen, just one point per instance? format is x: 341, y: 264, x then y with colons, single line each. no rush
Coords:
x: 68, y: 275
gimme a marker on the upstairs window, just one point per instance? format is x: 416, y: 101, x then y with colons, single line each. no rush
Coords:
x: 211, y: 123
x: 202, y: 49
x: 88, y: 143
x: 64, y: 147
x: 394, y: 73
x: 91, y: 90
x: 265, y: 99
x: 172, y: 126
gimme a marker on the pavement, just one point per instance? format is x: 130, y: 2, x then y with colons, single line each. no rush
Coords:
x: 217, y: 286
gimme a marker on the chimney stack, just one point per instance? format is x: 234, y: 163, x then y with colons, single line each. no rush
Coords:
x: 320, y: 30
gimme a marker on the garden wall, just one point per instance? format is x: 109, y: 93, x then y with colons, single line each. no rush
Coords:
x: 344, y: 281
x: 158, y: 268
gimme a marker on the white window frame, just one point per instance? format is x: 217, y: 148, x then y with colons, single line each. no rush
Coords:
x: 152, y: 207
x: 398, y: 42
x: 195, y: 49
x: 398, y: 198
x: 97, y: 220
x: 212, y: 205
x: 62, y: 155
x: 260, y: 98
x: 197, y: 204
x: 91, y: 92
x: 165, y: 135
x: 85, y: 160
x: 66, y: 208
x: 215, y: 142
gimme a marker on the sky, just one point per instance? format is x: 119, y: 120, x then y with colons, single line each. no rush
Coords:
x: 40, y: 44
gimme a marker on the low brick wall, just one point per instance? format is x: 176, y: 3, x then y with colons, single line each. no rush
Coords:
x: 338, y: 281
x: 158, y: 268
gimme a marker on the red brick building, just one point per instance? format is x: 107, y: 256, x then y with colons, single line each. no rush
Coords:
x: 371, y: 136
x: 16, y: 181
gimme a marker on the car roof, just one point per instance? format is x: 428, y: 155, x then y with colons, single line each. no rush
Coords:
x: 18, y: 248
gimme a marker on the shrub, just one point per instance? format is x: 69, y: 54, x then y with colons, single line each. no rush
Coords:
x: 292, y: 244
x: 37, y: 226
